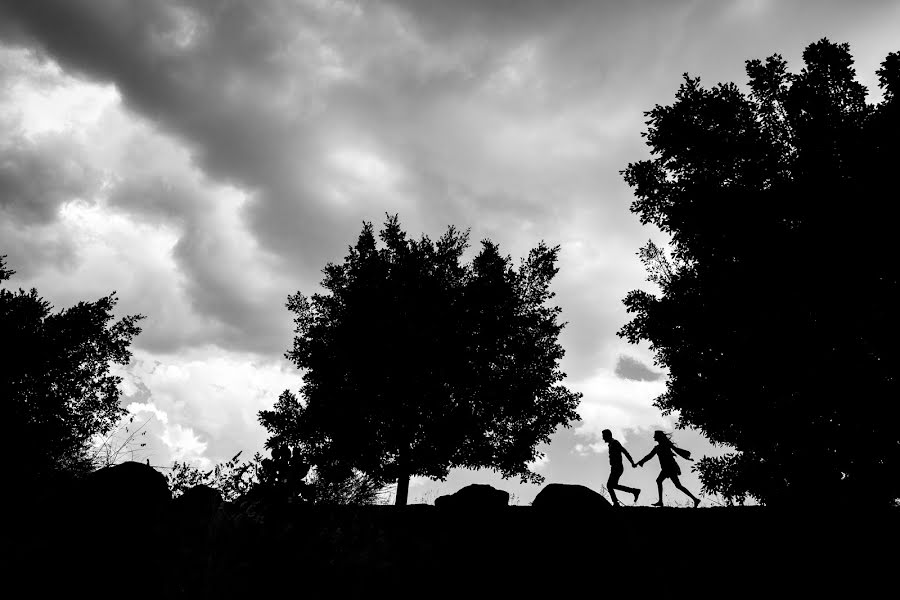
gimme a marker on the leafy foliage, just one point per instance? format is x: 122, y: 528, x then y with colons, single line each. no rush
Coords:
x: 283, y: 475
x: 55, y: 379
x: 416, y: 362
x: 122, y: 442
x: 357, y: 488
x: 232, y: 479
x: 777, y: 317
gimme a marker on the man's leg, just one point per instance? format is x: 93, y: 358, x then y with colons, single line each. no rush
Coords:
x: 611, y: 484
x: 633, y: 491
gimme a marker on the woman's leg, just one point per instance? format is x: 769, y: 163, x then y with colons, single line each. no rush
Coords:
x: 677, y: 483
x: 659, y: 482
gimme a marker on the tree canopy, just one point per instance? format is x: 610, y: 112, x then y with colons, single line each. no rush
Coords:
x: 55, y: 379
x: 416, y: 362
x: 776, y: 313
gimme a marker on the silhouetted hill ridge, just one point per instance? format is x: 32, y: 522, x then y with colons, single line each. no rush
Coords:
x: 197, y: 546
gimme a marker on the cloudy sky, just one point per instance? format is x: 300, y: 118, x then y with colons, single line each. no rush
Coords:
x: 206, y: 158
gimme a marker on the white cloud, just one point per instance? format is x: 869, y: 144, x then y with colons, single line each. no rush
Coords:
x: 184, y: 445
x: 199, y: 407
x: 43, y: 99
x: 364, y: 166
x: 618, y: 405
x: 138, y: 408
x: 538, y: 464
x: 205, y: 404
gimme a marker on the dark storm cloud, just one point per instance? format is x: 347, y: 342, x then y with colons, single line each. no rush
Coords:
x: 156, y: 199
x: 218, y: 92
x: 632, y: 369
x: 242, y: 93
x: 30, y: 249
x: 215, y: 283
x: 38, y: 176
x: 513, y: 118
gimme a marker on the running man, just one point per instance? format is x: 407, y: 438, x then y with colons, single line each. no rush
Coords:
x: 616, y: 450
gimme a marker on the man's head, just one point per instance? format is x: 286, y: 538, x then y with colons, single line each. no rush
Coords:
x: 607, y: 435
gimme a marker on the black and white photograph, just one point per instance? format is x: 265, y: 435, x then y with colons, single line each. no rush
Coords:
x: 442, y: 298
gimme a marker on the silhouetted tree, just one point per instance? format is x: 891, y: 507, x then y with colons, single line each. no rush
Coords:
x: 55, y: 380
x: 416, y: 362
x: 777, y: 316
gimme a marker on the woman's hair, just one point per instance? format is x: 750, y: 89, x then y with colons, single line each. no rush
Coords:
x: 662, y: 437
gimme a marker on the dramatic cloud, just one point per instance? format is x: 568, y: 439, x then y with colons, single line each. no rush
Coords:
x: 36, y: 177
x: 514, y: 121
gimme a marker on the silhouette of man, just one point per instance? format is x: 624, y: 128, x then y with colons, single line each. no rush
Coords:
x: 616, y: 450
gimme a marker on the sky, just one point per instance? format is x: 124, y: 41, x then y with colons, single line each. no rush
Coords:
x: 205, y: 159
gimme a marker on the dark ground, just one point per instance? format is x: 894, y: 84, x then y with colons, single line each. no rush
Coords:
x: 298, y: 551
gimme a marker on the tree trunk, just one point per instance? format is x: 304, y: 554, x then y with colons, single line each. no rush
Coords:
x: 402, y: 490
x: 403, y: 475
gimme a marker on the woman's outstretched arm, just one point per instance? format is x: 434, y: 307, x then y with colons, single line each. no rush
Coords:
x: 648, y: 457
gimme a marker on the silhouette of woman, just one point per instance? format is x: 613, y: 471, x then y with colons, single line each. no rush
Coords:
x: 616, y: 450
x: 666, y: 450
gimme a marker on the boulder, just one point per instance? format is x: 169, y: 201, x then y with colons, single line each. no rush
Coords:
x: 474, y: 496
x: 118, y: 514
x: 196, y: 507
x: 192, y: 517
x: 130, y: 489
x: 561, y: 497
